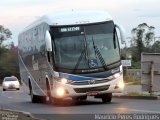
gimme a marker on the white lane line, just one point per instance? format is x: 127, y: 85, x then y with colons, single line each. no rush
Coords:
x: 7, y: 94
x: 12, y: 91
x: 137, y: 110
x: 10, y: 97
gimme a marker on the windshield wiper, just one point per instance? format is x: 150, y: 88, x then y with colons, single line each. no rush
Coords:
x: 96, y: 50
x: 83, y: 53
x: 79, y: 60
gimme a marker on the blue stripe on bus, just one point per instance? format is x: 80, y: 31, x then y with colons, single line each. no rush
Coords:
x: 75, y: 77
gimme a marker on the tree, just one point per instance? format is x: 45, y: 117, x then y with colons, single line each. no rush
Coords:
x: 156, y: 47
x: 149, y: 36
x: 9, y: 62
x: 142, y: 37
x: 5, y: 34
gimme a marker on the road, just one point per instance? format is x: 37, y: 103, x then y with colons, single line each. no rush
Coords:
x: 19, y: 100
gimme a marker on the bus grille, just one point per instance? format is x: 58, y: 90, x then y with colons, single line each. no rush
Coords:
x: 84, y: 90
x: 87, y: 82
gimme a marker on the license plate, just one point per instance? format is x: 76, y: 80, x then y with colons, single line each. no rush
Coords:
x: 11, y: 86
x: 92, y: 93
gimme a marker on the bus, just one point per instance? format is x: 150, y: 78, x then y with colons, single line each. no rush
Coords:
x: 72, y: 54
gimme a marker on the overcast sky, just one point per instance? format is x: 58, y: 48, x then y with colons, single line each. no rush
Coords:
x: 16, y: 14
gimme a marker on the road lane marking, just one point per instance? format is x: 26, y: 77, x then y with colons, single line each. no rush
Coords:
x: 10, y: 97
x: 11, y: 94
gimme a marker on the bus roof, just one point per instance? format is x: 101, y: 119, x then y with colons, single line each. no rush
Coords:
x: 72, y: 18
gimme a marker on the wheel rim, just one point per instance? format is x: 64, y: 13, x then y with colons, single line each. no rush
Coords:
x: 31, y: 94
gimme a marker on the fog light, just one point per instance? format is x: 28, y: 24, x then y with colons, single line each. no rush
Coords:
x: 121, y: 85
x: 60, y: 91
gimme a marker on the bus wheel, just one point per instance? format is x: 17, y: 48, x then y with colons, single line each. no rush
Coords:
x: 33, y: 97
x: 48, y: 93
x: 107, y: 97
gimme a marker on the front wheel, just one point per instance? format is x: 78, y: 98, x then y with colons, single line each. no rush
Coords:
x: 17, y: 88
x: 34, y: 98
x: 107, y: 97
x: 49, y: 96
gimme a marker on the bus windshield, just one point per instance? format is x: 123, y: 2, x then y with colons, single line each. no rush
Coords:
x: 82, y: 47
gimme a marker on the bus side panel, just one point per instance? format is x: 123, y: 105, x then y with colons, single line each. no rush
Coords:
x: 32, y: 59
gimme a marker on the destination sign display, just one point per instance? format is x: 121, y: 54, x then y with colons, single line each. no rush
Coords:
x: 69, y: 29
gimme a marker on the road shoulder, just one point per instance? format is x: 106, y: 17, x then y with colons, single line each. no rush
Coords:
x: 135, y: 92
x: 7, y: 114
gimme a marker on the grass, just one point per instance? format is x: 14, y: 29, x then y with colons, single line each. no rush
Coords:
x: 138, y: 94
x: 132, y: 80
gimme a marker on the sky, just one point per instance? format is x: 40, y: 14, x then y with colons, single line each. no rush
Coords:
x: 17, y: 14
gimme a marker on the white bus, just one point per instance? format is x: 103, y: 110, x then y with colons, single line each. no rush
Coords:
x: 71, y: 55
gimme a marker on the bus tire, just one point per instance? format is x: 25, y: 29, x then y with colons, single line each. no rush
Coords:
x: 106, y: 98
x: 42, y: 99
x: 34, y: 98
x: 48, y: 92
x: 18, y: 89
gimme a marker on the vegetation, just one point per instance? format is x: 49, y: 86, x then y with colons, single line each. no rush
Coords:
x: 142, y: 40
x: 132, y: 80
x: 8, y: 55
x: 5, y: 34
x: 139, y: 94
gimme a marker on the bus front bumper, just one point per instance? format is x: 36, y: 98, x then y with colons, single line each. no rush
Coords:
x: 67, y: 90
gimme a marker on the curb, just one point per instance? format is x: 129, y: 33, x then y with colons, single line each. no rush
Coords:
x: 27, y: 114
x: 138, y: 97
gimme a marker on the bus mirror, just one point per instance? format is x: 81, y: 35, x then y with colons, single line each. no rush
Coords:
x: 48, y: 41
x: 122, y: 33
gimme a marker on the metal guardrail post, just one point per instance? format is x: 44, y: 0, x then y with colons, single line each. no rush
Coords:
x: 152, y: 78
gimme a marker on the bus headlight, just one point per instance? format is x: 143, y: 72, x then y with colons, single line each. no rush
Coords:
x: 116, y: 75
x: 63, y: 80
